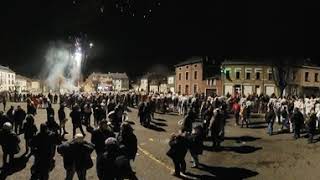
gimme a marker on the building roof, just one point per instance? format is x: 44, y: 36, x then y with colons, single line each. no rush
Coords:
x: 119, y: 75
x: 192, y: 60
x: 245, y: 62
x: 4, y: 68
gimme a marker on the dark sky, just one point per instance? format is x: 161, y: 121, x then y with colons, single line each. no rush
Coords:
x: 135, y: 39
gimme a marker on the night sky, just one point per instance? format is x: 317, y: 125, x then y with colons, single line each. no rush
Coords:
x: 143, y: 35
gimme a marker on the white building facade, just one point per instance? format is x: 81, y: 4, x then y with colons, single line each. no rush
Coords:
x: 21, y: 83
x: 7, y: 79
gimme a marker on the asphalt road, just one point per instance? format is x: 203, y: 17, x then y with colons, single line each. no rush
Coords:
x: 247, y: 153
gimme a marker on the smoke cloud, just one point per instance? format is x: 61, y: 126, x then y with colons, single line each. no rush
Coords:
x: 63, y: 67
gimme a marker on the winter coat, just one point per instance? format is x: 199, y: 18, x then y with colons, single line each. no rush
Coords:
x: 9, y: 142
x: 30, y: 130
x: 61, y: 115
x: 76, y: 117
x: 178, y: 148
x: 195, y: 143
x: 43, y: 147
x: 98, y: 138
x: 130, y: 143
x: 19, y: 115
x: 76, y: 155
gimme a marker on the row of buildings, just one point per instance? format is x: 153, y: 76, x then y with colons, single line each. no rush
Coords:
x: 235, y: 76
x: 10, y: 81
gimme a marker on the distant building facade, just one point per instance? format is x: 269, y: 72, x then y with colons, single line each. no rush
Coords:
x: 22, y: 83
x: 154, y: 82
x: 106, y: 82
x: 245, y: 77
x: 7, y: 79
x: 120, y: 81
x: 304, y: 80
x: 196, y: 76
x: 171, y: 84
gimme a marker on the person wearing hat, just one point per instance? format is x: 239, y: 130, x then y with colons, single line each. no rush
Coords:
x: 127, y: 138
x: 98, y: 138
x: 9, y: 142
x: 76, y: 157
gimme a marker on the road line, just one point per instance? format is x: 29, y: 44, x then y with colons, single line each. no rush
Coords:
x: 155, y: 159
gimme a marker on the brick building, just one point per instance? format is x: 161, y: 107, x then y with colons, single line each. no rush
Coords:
x: 197, y: 75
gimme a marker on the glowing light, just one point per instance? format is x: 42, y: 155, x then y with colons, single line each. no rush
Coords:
x: 91, y: 45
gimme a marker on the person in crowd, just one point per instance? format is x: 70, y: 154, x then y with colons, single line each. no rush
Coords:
x: 87, y: 114
x: 187, y: 122
x: 216, y: 126
x: 285, y: 118
x: 76, y: 120
x: 195, y: 141
x: 177, y: 152
x: 141, y: 113
x: 10, y: 114
x: 4, y: 102
x: 270, y: 118
x: 127, y: 138
x: 99, y: 135
x: 19, y: 116
x: 62, y: 120
x: 297, y: 119
x: 311, y: 125
x: 114, y: 165
x: 30, y: 130
x: 50, y: 111
x: 42, y: 147
x: 243, y: 115
x: 31, y: 109
x: 236, y: 110
x: 76, y: 157
x: 55, y: 99
x: 9, y: 142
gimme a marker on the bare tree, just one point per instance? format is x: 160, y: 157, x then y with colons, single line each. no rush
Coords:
x: 281, y: 70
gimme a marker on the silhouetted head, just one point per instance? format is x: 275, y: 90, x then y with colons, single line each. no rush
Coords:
x: 43, y: 128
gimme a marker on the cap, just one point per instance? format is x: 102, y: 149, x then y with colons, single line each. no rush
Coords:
x: 111, y: 140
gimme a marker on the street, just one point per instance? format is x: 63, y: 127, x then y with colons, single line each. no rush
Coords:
x: 247, y: 153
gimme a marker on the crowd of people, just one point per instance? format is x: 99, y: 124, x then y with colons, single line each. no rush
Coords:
x: 112, y: 136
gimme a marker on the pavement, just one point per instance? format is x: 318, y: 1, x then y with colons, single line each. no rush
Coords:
x: 247, y: 153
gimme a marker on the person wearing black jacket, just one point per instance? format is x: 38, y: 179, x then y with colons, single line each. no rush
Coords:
x: 50, y: 111
x: 10, y: 114
x: 311, y: 125
x: 62, y: 120
x: 177, y: 152
x: 42, y: 147
x: 129, y: 140
x: 31, y: 108
x: 9, y: 142
x: 30, y: 130
x: 297, y: 119
x: 113, y: 164
x: 19, y: 116
x: 76, y: 157
x: 76, y: 120
x: 99, y: 135
x: 141, y: 113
